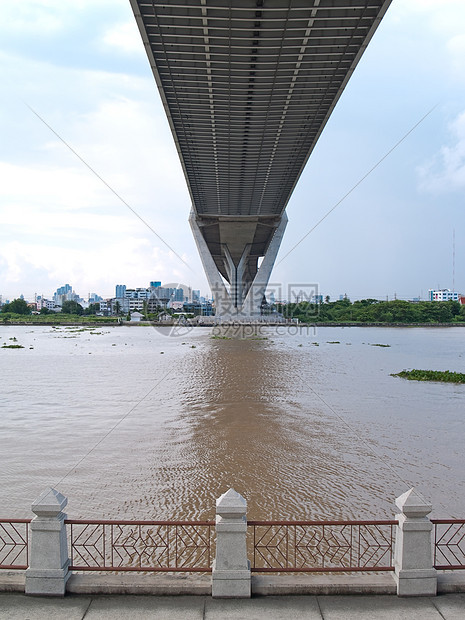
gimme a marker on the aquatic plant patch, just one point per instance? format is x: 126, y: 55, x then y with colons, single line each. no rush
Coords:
x: 445, y: 376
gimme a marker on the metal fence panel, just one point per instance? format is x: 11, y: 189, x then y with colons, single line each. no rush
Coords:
x: 449, y: 544
x: 141, y: 545
x: 324, y: 546
x: 14, y: 538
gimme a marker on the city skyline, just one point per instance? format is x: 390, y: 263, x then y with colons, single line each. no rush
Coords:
x: 278, y: 294
x: 67, y: 288
x: 59, y: 223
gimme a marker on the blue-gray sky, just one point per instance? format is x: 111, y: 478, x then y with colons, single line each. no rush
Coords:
x: 81, y: 65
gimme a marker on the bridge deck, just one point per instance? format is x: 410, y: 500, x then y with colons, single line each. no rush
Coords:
x: 248, y: 87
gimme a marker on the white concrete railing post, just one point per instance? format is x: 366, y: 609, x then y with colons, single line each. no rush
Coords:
x: 48, y: 560
x: 231, y: 569
x: 413, y: 558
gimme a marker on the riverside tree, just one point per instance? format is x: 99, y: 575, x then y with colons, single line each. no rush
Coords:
x: 92, y: 309
x: 17, y: 306
x: 71, y: 307
x: 376, y: 311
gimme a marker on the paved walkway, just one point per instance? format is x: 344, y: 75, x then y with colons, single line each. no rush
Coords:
x: 15, y: 606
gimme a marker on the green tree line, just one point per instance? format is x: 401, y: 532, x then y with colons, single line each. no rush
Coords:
x: 19, y: 307
x: 375, y: 311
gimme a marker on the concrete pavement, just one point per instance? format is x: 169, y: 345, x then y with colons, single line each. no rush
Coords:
x: 14, y: 606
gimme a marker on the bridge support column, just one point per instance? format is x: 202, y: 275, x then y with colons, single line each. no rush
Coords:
x: 243, y: 300
x: 413, y: 561
x: 217, y: 286
x: 231, y: 577
x: 257, y: 289
x: 236, y: 277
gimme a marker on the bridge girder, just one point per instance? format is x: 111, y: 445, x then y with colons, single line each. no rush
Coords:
x: 248, y: 86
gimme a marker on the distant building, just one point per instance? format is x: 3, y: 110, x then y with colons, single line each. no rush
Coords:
x: 198, y: 309
x: 65, y: 293
x: 177, y: 305
x: 120, y: 291
x: 137, y: 299
x: 155, y: 298
x: 46, y: 303
x: 444, y: 294
x: 165, y: 295
x: 106, y: 308
x: 178, y: 294
x: 64, y: 290
x: 137, y: 293
x: 136, y: 317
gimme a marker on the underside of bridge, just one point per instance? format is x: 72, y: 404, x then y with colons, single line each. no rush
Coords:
x: 248, y: 86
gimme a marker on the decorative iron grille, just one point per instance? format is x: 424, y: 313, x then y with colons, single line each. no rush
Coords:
x: 141, y: 545
x: 14, y: 537
x: 449, y: 544
x: 322, y: 546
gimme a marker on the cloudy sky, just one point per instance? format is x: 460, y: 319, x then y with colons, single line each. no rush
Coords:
x: 82, y: 68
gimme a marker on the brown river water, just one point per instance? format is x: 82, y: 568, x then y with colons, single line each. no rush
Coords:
x: 131, y: 422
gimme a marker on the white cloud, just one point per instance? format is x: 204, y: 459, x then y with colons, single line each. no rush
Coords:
x: 446, y: 171
x: 456, y: 49
x: 134, y: 261
x: 118, y: 128
x: 436, y: 30
x: 42, y: 19
x: 50, y: 187
x: 39, y: 17
x: 129, y: 143
x: 443, y: 11
x: 124, y: 37
x: 58, y: 222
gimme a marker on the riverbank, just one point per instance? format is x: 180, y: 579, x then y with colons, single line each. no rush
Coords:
x: 71, y: 322
x: 114, y: 322
x: 367, y: 324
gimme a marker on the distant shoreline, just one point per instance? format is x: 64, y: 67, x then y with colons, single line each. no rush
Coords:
x: 354, y: 324
x: 103, y: 324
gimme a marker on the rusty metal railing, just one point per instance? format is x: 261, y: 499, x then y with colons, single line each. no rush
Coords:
x: 274, y: 546
x: 176, y: 546
x: 449, y: 544
x: 321, y: 546
x: 14, y: 544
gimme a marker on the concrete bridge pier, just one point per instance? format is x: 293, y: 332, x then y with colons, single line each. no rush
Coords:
x: 257, y: 289
x: 237, y: 286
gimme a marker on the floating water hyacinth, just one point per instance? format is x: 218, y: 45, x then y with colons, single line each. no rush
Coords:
x: 431, y: 375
